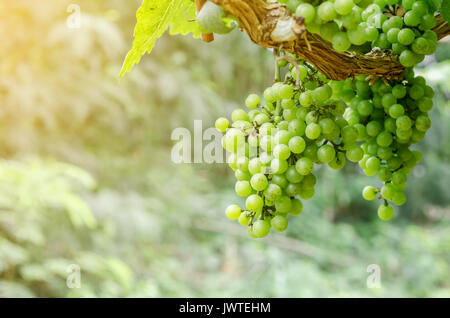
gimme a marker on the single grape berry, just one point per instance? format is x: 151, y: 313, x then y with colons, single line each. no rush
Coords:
x: 369, y: 193
x: 385, y: 212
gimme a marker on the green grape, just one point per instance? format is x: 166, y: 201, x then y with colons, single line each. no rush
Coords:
x: 408, y: 58
x: 428, y: 22
x: 398, y: 48
x: 297, y: 127
x: 326, y: 11
x: 252, y: 101
x: 254, y: 203
x: 305, y: 99
x: 281, y: 152
x: 292, y: 175
x: 338, y: 162
x: 403, y: 123
x: 420, y: 45
x: 420, y: 7
x: 243, y: 219
x: 399, y: 91
x: 373, y: 128
x: 313, y: 131
x: 365, y: 108
x: 296, y: 207
x: 390, y: 125
x: 425, y: 104
x: 388, y: 100
x: 371, y: 33
x: 283, y: 204
x: 384, y: 174
x: 423, y: 123
x: 233, y: 212
x: 399, y: 198
x: 258, y: 182
x: 279, y: 180
x: 341, y: 42
x: 343, y: 7
x: 392, y: 35
x: 328, y: 30
x: 282, y: 137
x: 311, y: 117
x: 349, y: 134
x: 385, y: 212
x: 273, y: 192
x: 322, y: 93
x: 398, y: 178
x: 384, y: 153
x: 309, y: 181
x: 293, y: 189
x: 416, y: 91
x: 327, y: 125
x: 233, y: 139
x: 242, y: 175
x: 307, y: 11
x: 222, y: 124
x: 286, y: 92
x: 210, y: 19
x: 372, y: 164
x: 417, y: 156
x: 242, y: 163
x: 261, y: 228
x: 369, y: 11
x: 243, y: 188
x: 396, y: 110
x: 287, y: 104
x: 297, y: 144
x: 354, y: 153
x: 326, y: 153
x: 278, y: 166
x: 412, y: 18
x: 406, y: 36
x: 351, y: 20
x: 239, y: 114
x: 279, y: 223
x: 369, y: 193
x: 304, y: 166
x: 387, y: 191
x: 384, y: 139
x: 307, y: 194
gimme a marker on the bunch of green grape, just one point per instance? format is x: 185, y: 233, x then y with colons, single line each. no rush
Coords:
x: 387, y: 121
x: 404, y: 26
x: 276, y: 144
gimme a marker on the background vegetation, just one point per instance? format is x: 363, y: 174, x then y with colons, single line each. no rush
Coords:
x: 86, y: 176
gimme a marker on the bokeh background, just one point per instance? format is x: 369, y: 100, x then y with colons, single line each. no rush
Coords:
x: 86, y: 176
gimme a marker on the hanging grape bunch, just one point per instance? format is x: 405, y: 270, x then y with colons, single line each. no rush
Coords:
x: 307, y: 119
x: 348, y: 94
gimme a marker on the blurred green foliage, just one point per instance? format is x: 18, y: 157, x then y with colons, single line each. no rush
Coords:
x: 86, y: 176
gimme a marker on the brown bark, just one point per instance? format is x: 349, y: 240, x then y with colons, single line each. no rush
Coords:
x: 263, y: 20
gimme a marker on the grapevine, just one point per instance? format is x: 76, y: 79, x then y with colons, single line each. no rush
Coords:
x: 344, y: 91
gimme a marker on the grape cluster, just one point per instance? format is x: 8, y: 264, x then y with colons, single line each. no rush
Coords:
x: 275, y: 145
x: 274, y: 148
x: 387, y: 120
x: 307, y: 120
x: 405, y: 26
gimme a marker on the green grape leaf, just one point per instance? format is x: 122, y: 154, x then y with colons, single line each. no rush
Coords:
x: 153, y: 18
x: 445, y: 10
x: 182, y: 22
